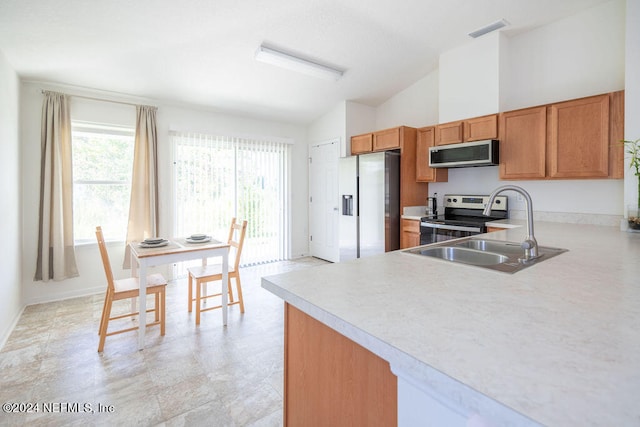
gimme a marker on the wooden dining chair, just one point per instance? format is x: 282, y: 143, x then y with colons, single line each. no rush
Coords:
x: 200, y: 276
x: 119, y: 289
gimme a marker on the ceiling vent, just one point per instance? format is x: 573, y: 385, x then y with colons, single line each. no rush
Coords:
x: 489, y: 28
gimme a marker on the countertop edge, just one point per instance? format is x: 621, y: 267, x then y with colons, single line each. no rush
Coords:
x: 507, y: 223
x: 419, y: 372
x: 412, y: 217
x: 557, y: 376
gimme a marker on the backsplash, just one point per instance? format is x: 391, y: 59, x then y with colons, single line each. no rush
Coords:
x: 569, y: 217
x: 414, y: 210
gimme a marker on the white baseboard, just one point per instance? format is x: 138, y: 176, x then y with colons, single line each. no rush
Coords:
x: 67, y: 295
x: 292, y: 257
x: 6, y: 334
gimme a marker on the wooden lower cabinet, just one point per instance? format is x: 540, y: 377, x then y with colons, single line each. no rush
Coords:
x: 410, y: 236
x: 330, y: 380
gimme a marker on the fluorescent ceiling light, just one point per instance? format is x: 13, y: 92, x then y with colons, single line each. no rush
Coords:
x: 489, y: 28
x: 290, y: 62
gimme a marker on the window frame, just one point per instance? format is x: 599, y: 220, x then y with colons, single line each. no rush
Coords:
x: 237, y: 144
x: 108, y: 130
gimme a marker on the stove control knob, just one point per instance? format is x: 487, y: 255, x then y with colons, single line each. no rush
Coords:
x: 498, y: 202
x: 455, y: 200
x: 449, y: 199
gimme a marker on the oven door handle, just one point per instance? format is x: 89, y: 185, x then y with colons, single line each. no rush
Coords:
x: 450, y: 227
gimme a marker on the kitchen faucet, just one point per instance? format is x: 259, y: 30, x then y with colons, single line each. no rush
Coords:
x: 530, y: 245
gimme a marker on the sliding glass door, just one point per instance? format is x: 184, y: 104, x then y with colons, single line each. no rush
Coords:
x: 218, y: 178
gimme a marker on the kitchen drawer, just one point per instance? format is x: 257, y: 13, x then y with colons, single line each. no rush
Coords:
x: 410, y: 236
x: 411, y: 225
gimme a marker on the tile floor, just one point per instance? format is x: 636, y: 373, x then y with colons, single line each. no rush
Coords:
x: 208, y: 375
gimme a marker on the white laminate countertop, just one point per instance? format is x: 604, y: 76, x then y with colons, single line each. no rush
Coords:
x: 413, y: 212
x: 412, y: 217
x: 557, y: 343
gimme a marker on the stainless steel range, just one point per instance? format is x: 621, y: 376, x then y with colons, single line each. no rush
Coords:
x: 462, y: 218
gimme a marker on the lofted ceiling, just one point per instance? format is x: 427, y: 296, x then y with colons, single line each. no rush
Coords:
x: 201, y: 52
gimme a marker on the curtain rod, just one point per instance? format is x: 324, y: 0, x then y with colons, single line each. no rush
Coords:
x: 99, y: 99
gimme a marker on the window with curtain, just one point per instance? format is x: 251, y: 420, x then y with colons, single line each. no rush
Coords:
x: 102, y: 161
x: 218, y: 178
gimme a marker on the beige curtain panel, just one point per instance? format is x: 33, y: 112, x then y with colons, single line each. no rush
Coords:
x: 143, y: 209
x: 56, y: 253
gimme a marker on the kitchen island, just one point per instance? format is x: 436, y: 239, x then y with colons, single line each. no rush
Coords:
x: 554, y: 344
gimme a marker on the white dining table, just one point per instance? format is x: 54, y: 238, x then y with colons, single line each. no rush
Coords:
x: 178, y: 250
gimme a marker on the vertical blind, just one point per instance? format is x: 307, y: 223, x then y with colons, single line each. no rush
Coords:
x: 217, y: 178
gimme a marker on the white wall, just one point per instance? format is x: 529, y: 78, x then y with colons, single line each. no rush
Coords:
x: 469, y: 79
x: 578, y: 56
x: 360, y: 119
x: 170, y: 117
x: 330, y: 126
x: 346, y: 119
x: 10, y: 289
x: 416, y: 106
x: 632, y: 94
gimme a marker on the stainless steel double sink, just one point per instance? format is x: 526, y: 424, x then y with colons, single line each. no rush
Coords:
x: 507, y: 257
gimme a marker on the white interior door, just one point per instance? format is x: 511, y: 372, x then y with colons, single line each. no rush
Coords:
x: 323, y: 201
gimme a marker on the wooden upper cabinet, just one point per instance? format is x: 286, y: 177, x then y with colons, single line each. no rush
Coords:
x: 523, y: 135
x: 565, y: 140
x: 426, y: 139
x: 579, y: 138
x: 382, y: 140
x: 476, y: 129
x: 362, y: 143
x: 412, y: 192
x: 387, y: 139
x: 479, y: 128
x: 616, y: 134
x: 449, y: 133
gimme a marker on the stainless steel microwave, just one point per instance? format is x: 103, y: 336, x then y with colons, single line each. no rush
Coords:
x: 467, y: 154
